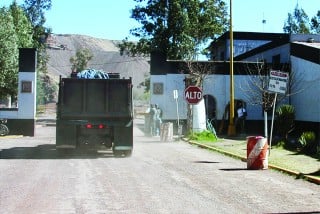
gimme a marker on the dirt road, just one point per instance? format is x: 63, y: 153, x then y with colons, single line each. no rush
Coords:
x: 160, y: 177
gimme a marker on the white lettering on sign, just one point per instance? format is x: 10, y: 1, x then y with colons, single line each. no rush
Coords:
x: 194, y: 95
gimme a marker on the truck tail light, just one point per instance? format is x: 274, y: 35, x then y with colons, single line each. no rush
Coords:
x: 101, y: 126
x: 89, y: 126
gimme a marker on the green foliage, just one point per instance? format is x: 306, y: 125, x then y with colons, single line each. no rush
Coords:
x: 46, y: 89
x: 22, y: 26
x: 285, y: 116
x: 36, y: 11
x: 8, y: 54
x: 203, y: 136
x: 146, y: 84
x: 298, y: 22
x: 307, y: 138
x: 315, y: 23
x: 308, y: 142
x: 280, y: 144
x: 177, y: 28
x: 80, y: 60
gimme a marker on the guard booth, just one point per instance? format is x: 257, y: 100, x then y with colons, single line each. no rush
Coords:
x: 22, y: 118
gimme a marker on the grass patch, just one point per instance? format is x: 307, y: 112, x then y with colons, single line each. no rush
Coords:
x: 279, y: 156
x: 204, y: 136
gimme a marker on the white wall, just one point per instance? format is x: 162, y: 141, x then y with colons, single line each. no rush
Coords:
x: 307, y: 98
x: 166, y: 101
x: 215, y: 85
x: 27, y: 101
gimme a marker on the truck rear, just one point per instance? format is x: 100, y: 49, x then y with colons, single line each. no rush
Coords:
x: 94, y: 114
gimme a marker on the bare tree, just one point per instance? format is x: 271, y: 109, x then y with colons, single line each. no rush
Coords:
x: 256, y: 87
x: 197, y: 71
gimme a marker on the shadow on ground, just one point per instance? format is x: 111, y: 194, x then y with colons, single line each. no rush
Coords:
x: 49, y: 151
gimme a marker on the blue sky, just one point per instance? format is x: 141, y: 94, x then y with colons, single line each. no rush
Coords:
x: 112, y: 20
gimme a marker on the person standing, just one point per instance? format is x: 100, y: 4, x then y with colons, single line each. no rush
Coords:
x: 153, y: 115
x: 241, y: 117
x: 158, y: 119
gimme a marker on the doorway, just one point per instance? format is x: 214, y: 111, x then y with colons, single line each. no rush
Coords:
x: 211, y: 109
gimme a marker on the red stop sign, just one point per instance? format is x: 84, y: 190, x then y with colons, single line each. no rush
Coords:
x: 193, y: 94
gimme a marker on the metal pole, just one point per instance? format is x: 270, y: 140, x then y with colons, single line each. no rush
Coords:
x: 231, y: 128
x: 273, y: 110
x: 177, y: 112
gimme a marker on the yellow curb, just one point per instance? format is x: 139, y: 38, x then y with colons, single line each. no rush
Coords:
x: 11, y: 136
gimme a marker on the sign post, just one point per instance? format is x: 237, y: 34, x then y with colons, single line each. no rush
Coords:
x: 193, y: 95
x: 175, y: 96
x: 278, y: 82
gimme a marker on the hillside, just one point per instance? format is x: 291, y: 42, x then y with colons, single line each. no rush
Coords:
x: 61, y: 47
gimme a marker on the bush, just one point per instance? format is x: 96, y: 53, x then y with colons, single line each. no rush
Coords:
x: 308, y: 142
x: 285, y: 116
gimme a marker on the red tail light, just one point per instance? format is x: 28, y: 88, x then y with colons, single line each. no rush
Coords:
x: 89, y: 126
x: 101, y: 126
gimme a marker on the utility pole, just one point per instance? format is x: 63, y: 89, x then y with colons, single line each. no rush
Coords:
x: 231, y: 127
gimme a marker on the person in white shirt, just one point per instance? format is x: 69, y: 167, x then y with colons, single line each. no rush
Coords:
x: 241, y: 117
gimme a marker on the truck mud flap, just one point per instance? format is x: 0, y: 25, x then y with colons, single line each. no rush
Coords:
x: 123, y: 140
x: 66, y: 135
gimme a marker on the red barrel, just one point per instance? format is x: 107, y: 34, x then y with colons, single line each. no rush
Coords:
x: 257, y: 152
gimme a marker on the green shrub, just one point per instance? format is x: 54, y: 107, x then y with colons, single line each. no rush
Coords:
x: 203, y: 136
x: 285, y: 116
x: 308, y: 142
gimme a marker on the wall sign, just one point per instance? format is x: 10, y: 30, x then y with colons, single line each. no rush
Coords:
x: 26, y: 86
x: 158, y: 88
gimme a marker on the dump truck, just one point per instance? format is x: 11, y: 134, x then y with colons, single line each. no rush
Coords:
x: 94, y: 114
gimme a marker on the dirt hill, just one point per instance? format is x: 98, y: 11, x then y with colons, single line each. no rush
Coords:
x: 61, y: 47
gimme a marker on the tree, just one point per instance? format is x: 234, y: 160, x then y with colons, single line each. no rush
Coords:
x: 8, y: 55
x: 315, y: 23
x: 80, y: 60
x: 35, y: 10
x: 298, y: 22
x: 177, y: 28
x: 22, y: 26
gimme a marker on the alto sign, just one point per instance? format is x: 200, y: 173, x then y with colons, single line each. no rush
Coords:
x: 193, y: 94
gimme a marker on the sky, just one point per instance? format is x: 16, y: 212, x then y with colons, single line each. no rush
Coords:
x: 110, y: 19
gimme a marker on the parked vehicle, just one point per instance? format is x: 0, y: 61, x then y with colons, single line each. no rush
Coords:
x: 94, y: 114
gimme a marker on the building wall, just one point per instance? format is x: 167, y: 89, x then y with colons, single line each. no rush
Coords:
x: 283, y: 50
x: 164, y: 97
x: 243, y: 46
x: 306, y: 98
x: 215, y: 85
